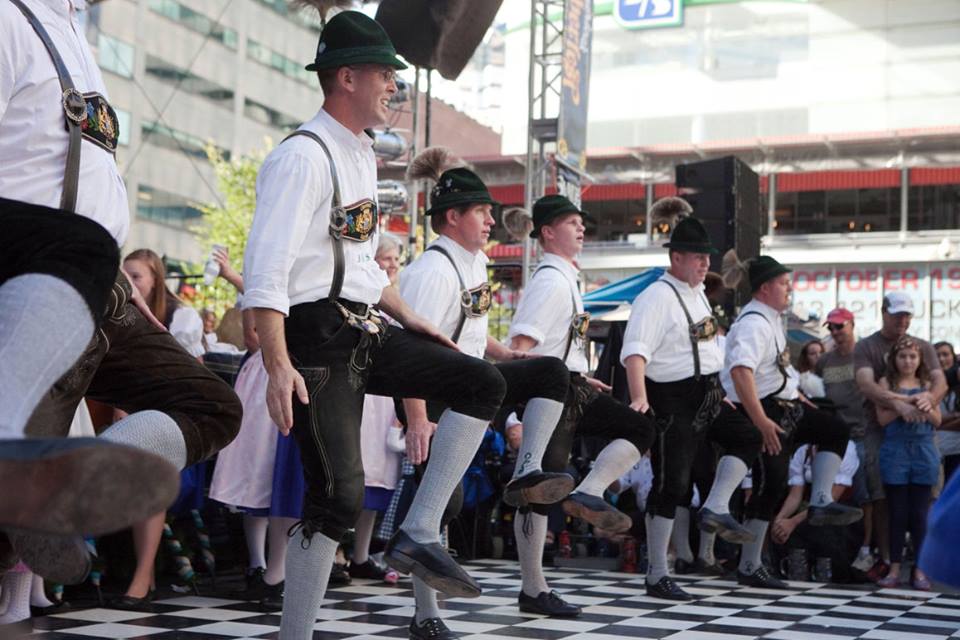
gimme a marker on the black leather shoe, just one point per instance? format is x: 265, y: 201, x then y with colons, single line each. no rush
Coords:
x: 430, y: 629
x: 539, y: 487
x: 701, y: 567
x: 339, y: 576
x: 60, y: 606
x: 90, y: 486
x: 129, y: 603
x: 63, y: 559
x: 547, y: 603
x: 253, y: 585
x: 681, y: 567
x: 667, y: 589
x: 762, y: 579
x: 272, y: 599
x: 725, y: 526
x: 367, y: 570
x: 431, y: 563
x: 833, y: 513
x: 597, y: 512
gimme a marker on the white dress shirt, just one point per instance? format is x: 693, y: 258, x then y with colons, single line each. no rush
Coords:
x: 33, y: 134
x: 187, y: 327
x: 658, y: 331
x: 289, y: 255
x: 801, y: 467
x: 755, y: 342
x: 432, y: 289
x: 546, y: 311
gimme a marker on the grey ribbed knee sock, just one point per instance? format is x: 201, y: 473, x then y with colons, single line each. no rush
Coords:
x: 658, y: 540
x: 539, y: 420
x: 705, y: 552
x: 731, y: 471
x: 681, y: 534
x: 45, y: 325
x: 455, y: 442
x: 530, y: 551
x: 615, y: 459
x: 308, y: 568
x: 824, y: 470
x: 152, y: 431
x: 426, y: 600
x: 750, y: 552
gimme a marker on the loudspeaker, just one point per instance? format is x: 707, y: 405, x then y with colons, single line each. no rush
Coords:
x: 725, y: 196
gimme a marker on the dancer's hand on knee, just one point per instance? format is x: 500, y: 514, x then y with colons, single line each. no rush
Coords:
x: 770, y: 431
x: 282, y: 384
x: 599, y: 385
x: 418, y: 437
x: 640, y: 405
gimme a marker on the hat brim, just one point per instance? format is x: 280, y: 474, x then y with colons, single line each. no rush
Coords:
x: 586, y: 217
x: 779, y: 270
x: 690, y: 247
x: 335, y: 61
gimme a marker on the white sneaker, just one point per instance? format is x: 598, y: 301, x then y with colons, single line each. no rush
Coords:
x: 864, y: 561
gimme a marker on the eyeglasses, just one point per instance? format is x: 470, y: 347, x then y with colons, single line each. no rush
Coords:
x: 836, y: 326
x: 387, y: 75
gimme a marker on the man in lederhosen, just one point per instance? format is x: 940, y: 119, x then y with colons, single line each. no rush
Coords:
x: 313, y: 282
x: 448, y: 286
x: 550, y: 321
x: 60, y: 288
x: 673, y: 362
x: 760, y: 380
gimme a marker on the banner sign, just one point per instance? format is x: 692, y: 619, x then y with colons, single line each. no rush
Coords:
x: 646, y: 14
x: 575, y: 83
x: 934, y: 289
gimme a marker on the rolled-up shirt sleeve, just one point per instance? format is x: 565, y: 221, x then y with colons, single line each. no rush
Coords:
x: 291, y: 187
x: 848, y: 466
x: 746, y: 348
x: 644, y: 330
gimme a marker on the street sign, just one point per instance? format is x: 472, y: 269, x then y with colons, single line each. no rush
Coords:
x: 646, y: 14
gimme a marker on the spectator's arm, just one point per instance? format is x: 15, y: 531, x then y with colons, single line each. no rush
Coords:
x: 792, y: 503
x: 884, y: 397
x: 522, y: 343
x: 885, y: 414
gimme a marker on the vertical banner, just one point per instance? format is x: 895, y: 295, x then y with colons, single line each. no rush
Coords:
x: 575, y: 83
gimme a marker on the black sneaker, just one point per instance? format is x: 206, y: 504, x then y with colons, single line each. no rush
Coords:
x: 667, y: 589
x: 547, y: 603
x: 368, y: 570
x: 339, y: 576
x: 430, y: 629
x: 253, y: 585
x: 762, y: 579
x: 272, y: 599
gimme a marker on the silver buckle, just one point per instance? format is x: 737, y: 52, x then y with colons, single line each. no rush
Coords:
x: 74, y: 106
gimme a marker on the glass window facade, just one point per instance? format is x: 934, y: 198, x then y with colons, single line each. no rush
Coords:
x: 166, y: 207
x: 291, y: 68
x: 195, y: 21
x: 115, y: 55
x: 838, y: 211
x: 123, y: 120
x: 163, y: 136
x: 268, y: 116
x: 934, y: 207
x: 188, y: 82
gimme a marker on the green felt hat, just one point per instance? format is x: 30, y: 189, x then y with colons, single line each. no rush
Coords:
x: 352, y: 37
x: 764, y: 269
x: 456, y: 187
x: 690, y: 235
x: 549, y: 208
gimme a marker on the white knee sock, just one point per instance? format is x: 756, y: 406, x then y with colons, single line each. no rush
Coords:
x: 38, y: 597
x: 45, y: 325
x: 750, y: 552
x: 152, y: 431
x: 530, y: 551
x: 539, y: 420
x: 658, y: 540
x: 426, y: 600
x: 615, y: 459
x: 16, y: 595
x: 363, y: 534
x: 455, y: 442
x: 308, y: 571
x: 277, y: 548
x: 681, y: 534
x: 731, y: 471
x: 255, y: 531
x: 824, y: 470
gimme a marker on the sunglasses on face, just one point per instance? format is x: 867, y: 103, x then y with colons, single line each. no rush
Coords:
x: 836, y: 326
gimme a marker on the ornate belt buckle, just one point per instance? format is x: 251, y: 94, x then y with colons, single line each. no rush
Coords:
x: 580, y: 324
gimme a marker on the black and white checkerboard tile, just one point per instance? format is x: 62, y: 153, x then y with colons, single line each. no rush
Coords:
x: 615, y: 607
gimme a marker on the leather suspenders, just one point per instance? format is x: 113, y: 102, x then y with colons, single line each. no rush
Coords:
x: 573, y: 300
x: 338, y: 216
x: 777, y: 360
x: 463, y: 287
x: 694, y: 342
x: 74, y: 108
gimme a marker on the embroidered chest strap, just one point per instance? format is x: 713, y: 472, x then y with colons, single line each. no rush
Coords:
x: 74, y: 109
x: 580, y: 321
x: 780, y: 357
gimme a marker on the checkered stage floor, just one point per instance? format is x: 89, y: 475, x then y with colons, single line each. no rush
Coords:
x: 615, y: 608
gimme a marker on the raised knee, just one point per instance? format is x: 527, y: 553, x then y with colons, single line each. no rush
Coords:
x: 555, y: 378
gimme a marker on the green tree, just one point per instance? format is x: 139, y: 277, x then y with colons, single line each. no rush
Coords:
x: 228, y: 224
